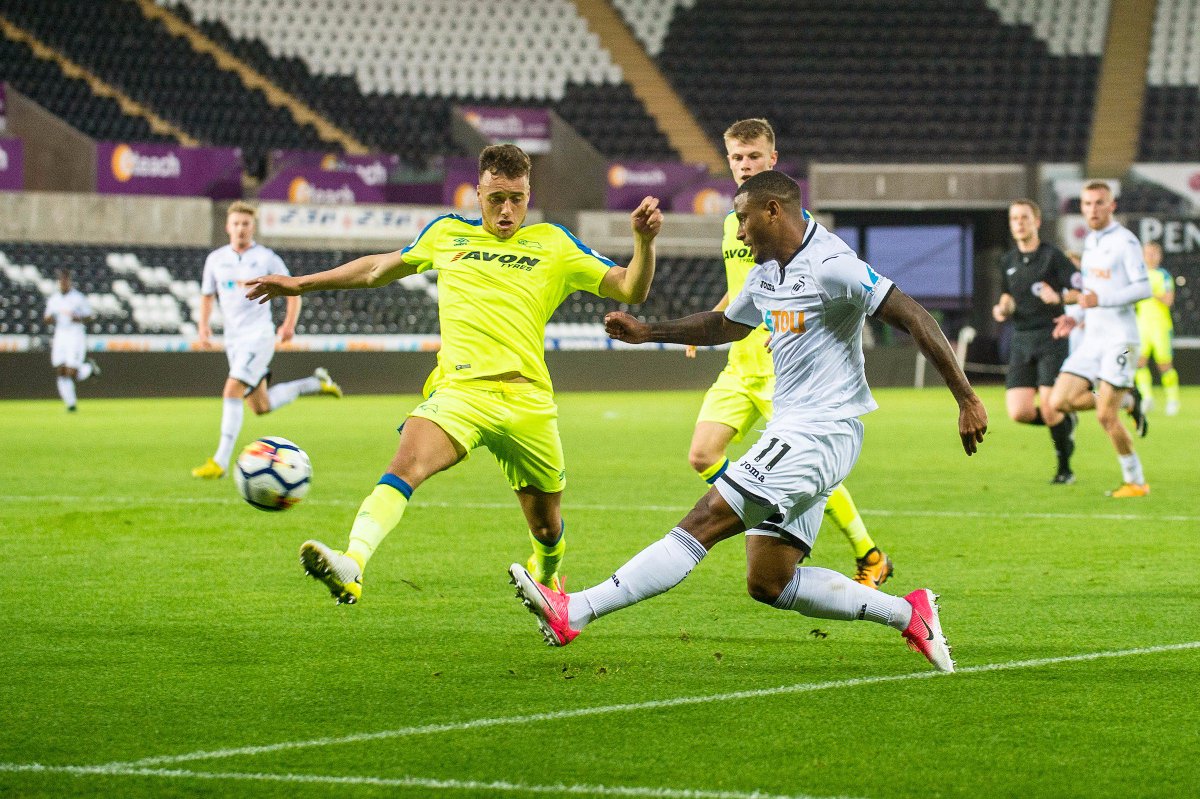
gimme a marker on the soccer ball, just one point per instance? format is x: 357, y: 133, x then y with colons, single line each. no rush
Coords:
x: 272, y: 473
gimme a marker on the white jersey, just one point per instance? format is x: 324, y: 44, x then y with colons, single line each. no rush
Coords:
x: 814, y: 308
x: 64, y: 308
x: 1112, y: 267
x: 225, y: 275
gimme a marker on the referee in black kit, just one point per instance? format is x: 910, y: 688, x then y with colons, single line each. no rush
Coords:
x: 1037, y: 279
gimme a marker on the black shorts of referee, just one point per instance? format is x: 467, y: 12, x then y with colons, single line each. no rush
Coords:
x: 1035, y: 358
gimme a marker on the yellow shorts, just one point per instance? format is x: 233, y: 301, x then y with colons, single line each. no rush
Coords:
x: 737, y: 401
x: 1156, y: 343
x: 516, y: 422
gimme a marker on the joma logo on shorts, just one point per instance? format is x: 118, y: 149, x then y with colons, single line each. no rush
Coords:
x: 755, y: 473
x: 784, y: 321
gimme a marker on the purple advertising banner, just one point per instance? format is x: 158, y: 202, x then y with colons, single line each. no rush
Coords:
x: 168, y: 170
x: 458, y: 188
x: 375, y: 169
x: 12, y: 165
x: 715, y: 196
x: 315, y: 185
x: 528, y: 128
x: 630, y: 181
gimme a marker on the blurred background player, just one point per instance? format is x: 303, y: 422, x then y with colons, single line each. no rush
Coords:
x: 68, y: 310
x: 1035, y: 279
x: 1114, y: 278
x: 1157, y: 329
x: 816, y: 293
x: 498, y: 284
x: 742, y: 393
x: 250, y: 334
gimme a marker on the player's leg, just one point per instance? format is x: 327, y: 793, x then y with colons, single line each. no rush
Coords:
x: 249, y: 363
x: 282, y: 394
x: 1164, y: 358
x: 547, y: 534
x: 1071, y: 393
x: 872, y: 566
x: 726, y: 415
x: 1052, y: 354
x: 424, y: 450
x: 1021, y: 405
x: 707, y: 451
x: 65, y: 382
x: 1020, y: 382
x: 1144, y: 379
x: 1108, y: 405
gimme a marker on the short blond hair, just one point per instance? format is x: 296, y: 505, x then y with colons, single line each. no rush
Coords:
x: 241, y: 207
x: 1030, y: 204
x: 745, y: 131
x: 1098, y: 185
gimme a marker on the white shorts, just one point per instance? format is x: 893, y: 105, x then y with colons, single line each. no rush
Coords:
x: 779, y: 487
x: 1099, y: 359
x: 69, y: 350
x: 250, y: 358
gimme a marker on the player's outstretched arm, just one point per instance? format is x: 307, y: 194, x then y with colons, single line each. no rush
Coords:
x: 631, y: 284
x: 701, y: 328
x: 370, y: 271
x: 903, y: 312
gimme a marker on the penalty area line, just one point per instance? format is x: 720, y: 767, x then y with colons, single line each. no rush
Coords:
x: 404, y: 782
x: 347, y: 503
x: 655, y: 704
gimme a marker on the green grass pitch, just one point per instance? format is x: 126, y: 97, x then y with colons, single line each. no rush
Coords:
x: 159, y: 638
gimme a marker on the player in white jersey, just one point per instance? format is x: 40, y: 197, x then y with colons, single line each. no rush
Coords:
x: 250, y: 334
x: 68, y: 310
x: 1114, y: 279
x: 814, y: 294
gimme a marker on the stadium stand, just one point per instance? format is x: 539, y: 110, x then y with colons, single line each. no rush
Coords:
x: 650, y: 21
x: 876, y: 81
x: 69, y: 98
x: 116, y: 42
x: 379, y: 76
x: 151, y: 290
x: 1171, y: 117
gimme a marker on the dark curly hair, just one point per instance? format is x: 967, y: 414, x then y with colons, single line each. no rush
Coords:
x: 505, y: 160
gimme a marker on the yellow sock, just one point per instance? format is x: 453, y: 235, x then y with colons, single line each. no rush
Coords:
x: 1143, y: 381
x: 841, y: 511
x: 1170, y: 381
x: 711, y: 474
x: 377, y: 516
x: 543, y: 564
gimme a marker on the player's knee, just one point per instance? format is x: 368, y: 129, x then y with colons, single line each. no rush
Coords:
x: 764, y: 588
x: 1107, y: 417
x: 700, y: 459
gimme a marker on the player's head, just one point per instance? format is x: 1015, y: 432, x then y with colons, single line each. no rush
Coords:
x: 1024, y: 218
x: 239, y: 224
x: 503, y: 188
x: 750, y: 148
x: 1152, y: 254
x: 64, y: 279
x: 770, y: 215
x: 1097, y: 204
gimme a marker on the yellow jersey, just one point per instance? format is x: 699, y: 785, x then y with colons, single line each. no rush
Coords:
x: 750, y: 356
x: 1150, y: 312
x: 495, y: 295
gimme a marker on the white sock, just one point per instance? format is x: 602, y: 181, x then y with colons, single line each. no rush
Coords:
x: 66, y: 390
x: 657, y: 568
x: 231, y: 425
x: 1131, y: 469
x: 84, y: 372
x: 826, y: 594
x: 282, y: 394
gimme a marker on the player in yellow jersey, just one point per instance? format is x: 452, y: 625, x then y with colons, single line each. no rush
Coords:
x: 1156, y: 330
x: 498, y: 284
x: 742, y: 393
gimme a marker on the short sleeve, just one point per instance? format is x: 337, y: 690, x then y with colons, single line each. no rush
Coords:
x: 845, y: 277
x: 421, y: 250
x: 277, y: 266
x: 1062, y: 271
x: 741, y: 309
x: 583, y: 268
x: 208, y: 282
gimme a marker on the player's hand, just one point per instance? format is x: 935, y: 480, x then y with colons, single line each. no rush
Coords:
x: 1049, y: 295
x: 647, y: 219
x: 268, y: 287
x: 623, y: 327
x: 204, y: 338
x: 1063, y: 325
x: 689, y: 351
x: 1088, y: 299
x: 285, y: 333
x: 972, y: 424
x: 998, y: 313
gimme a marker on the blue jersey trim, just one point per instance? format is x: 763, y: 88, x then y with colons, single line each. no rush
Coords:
x: 583, y: 246
x: 424, y: 230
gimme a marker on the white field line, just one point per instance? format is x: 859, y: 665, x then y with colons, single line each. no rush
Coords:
x: 401, y: 782
x: 558, y: 715
x: 569, y: 506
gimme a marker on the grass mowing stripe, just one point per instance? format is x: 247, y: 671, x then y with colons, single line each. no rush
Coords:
x: 475, y: 724
x: 404, y: 782
x: 1115, y: 517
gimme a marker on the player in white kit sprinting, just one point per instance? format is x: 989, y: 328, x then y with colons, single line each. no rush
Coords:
x: 68, y: 310
x: 1114, y: 279
x: 250, y: 334
x: 813, y: 293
